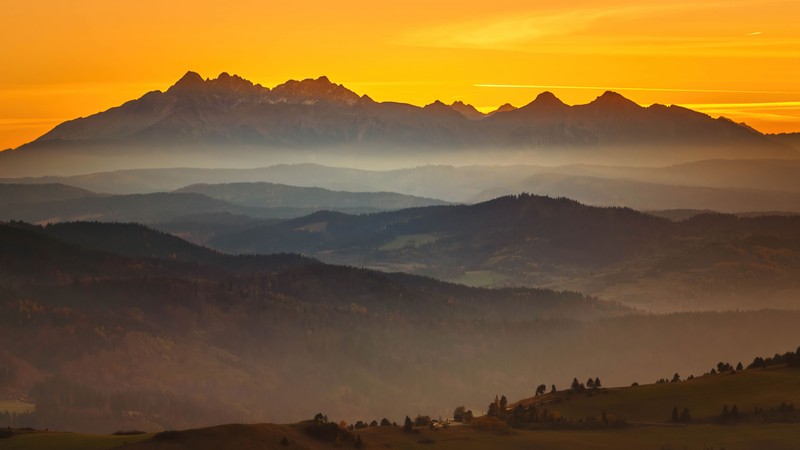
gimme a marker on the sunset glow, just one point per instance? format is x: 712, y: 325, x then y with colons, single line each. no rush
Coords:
x: 739, y: 58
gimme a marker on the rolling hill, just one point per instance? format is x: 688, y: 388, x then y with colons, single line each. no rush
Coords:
x: 106, y: 314
x: 19, y: 195
x: 705, y: 396
x: 768, y: 181
x: 109, y: 326
x: 636, y: 417
x: 709, y: 261
x: 46, y: 203
x: 266, y: 436
x: 142, y: 208
x: 646, y: 196
x: 271, y: 195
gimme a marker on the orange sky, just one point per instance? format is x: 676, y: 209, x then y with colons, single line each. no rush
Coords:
x: 738, y: 58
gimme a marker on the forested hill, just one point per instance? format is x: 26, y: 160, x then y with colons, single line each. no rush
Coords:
x: 88, y: 310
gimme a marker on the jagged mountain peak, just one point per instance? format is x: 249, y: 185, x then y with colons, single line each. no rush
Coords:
x: 546, y: 101
x: 436, y: 105
x: 440, y: 109
x: 547, y: 97
x: 467, y: 110
x: 226, y: 78
x: 614, y: 99
x: 189, y: 80
x: 314, y: 90
x: 193, y: 83
x: 505, y: 107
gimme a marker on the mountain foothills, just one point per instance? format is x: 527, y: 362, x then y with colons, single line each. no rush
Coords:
x: 734, y: 186
x: 112, y: 326
x: 105, y: 315
x: 711, y: 261
x: 736, y: 407
x: 707, y: 260
x: 231, y: 121
x: 57, y: 202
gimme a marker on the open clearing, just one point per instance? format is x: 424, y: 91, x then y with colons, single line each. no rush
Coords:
x: 480, y: 278
x: 68, y: 441
x: 409, y: 240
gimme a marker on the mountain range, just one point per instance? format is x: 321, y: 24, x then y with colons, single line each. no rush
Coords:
x: 229, y: 121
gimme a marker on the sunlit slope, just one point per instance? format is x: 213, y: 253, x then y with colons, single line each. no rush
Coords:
x: 740, y: 437
x: 35, y: 440
x: 704, y: 396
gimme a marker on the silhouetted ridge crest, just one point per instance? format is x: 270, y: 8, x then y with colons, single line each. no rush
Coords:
x: 311, y: 91
x: 611, y: 99
x: 505, y: 107
x: 318, y: 113
x: 467, y: 110
x: 547, y: 100
x: 190, y: 80
x: 233, y: 82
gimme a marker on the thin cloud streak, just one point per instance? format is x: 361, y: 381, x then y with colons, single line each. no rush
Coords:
x: 517, y: 31
x: 620, y: 88
x: 756, y: 105
x: 510, y: 31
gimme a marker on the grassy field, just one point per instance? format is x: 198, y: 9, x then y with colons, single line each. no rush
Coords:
x: 16, y: 406
x: 265, y: 436
x: 67, y: 441
x: 647, y: 409
x: 479, y: 278
x: 693, y: 437
x: 704, y: 396
x: 409, y: 240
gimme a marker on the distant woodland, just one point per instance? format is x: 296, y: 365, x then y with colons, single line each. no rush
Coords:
x: 142, y: 330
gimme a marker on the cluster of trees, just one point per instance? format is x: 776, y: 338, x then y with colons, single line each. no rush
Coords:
x: 16, y: 420
x: 786, y: 407
x: 783, y: 413
x: 498, y: 407
x: 723, y: 367
x: 684, y: 416
x: 591, y: 383
x: 541, y: 389
x: 675, y: 379
x: 531, y: 414
x: 321, y: 429
x: 520, y: 414
x: 361, y: 424
x: 789, y: 358
x: 409, y: 426
x: 462, y: 414
x: 729, y: 415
